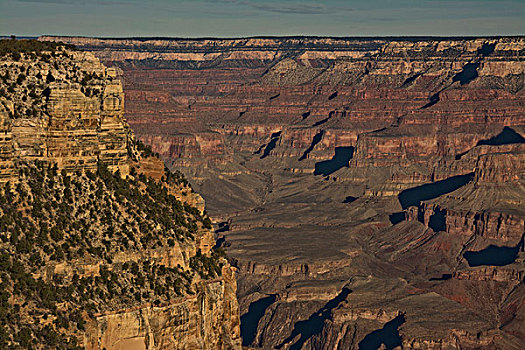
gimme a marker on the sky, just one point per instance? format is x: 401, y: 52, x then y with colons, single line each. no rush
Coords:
x: 242, y: 18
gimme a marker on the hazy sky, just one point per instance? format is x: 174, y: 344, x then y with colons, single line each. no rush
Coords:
x: 227, y: 18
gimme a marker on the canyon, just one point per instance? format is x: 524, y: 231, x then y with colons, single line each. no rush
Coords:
x: 369, y: 191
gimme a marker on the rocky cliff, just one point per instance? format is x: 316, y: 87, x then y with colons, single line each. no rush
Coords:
x: 369, y: 189
x: 62, y: 107
x: 101, y: 247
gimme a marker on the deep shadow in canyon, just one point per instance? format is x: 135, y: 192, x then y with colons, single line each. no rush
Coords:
x: 444, y: 277
x: 271, y: 145
x: 250, y: 320
x: 396, y: 218
x: 317, y: 138
x: 414, y: 196
x: 493, y: 255
x: 437, y: 220
x: 349, y: 199
x: 388, y: 335
x: 469, y: 73
x: 314, y: 324
x: 507, y: 136
x: 432, y: 101
x: 340, y: 159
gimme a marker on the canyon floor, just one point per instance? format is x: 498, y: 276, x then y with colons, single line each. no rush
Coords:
x: 370, y: 192
x: 307, y: 238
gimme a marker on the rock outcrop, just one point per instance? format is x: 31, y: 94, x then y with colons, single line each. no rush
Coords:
x: 101, y: 247
x: 58, y: 120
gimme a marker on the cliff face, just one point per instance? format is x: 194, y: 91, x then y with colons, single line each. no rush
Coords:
x: 213, y: 90
x: 101, y: 246
x: 206, y: 320
x: 357, y: 181
x: 67, y: 109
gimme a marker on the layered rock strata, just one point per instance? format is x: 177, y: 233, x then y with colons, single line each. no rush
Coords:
x: 66, y: 110
x: 355, y: 180
x: 102, y: 247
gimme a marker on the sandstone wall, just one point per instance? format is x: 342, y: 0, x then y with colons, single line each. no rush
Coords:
x: 74, y: 118
x: 206, y: 320
x: 74, y: 130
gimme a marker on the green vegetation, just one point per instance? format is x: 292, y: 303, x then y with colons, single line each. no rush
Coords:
x: 208, y: 266
x: 145, y: 150
x: 16, y: 47
x: 29, y: 67
x: 86, y: 221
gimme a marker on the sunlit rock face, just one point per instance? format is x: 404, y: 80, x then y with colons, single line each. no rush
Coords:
x: 124, y: 256
x: 353, y: 179
x: 68, y: 110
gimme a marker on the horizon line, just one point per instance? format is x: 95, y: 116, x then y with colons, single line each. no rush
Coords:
x: 356, y: 37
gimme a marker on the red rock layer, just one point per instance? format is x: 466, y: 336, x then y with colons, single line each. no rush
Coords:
x: 415, y: 112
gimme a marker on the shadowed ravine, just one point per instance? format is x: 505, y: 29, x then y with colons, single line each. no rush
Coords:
x: 507, y: 136
x: 493, y: 255
x: 349, y: 199
x: 340, y: 159
x: 314, y: 324
x: 317, y: 138
x: 388, y: 335
x: 437, y: 220
x: 250, y: 320
x: 444, y: 277
x: 271, y: 145
x: 398, y: 217
x: 414, y: 196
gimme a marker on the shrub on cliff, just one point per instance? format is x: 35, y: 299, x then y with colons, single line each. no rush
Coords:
x: 207, y: 266
x: 15, y: 47
x: 79, y: 226
x: 28, y: 67
x: 145, y: 150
